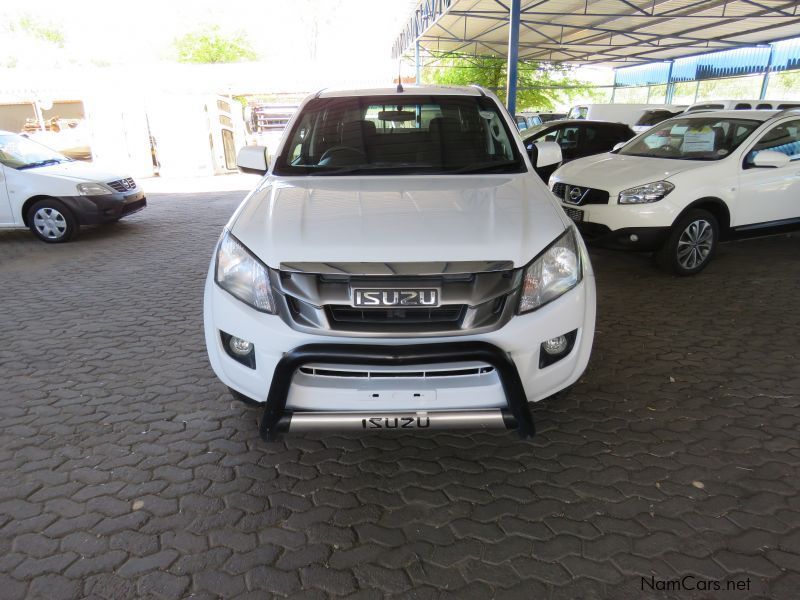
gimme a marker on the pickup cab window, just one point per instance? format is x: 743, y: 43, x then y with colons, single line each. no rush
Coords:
x: 375, y: 135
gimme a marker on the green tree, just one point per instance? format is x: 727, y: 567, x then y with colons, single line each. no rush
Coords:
x: 211, y: 45
x: 37, y: 29
x: 540, y: 86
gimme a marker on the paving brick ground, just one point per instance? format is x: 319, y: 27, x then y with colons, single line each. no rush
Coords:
x: 127, y: 472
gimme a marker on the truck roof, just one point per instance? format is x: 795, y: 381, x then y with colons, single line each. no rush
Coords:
x: 408, y: 90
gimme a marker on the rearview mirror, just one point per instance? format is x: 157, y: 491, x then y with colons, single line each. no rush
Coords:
x: 253, y: 159
x: 547, y: 154
x: 770, y: 158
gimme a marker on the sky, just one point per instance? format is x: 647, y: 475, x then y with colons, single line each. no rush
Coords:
x: 354, y: 37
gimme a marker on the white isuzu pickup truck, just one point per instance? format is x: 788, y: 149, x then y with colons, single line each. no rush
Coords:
x: 400, y: 265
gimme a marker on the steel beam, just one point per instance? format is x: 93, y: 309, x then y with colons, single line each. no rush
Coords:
x: 513, y: 54
x: 416, y: 63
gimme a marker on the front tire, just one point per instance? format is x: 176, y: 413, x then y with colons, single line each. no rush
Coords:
x: 51, y: 221
x: 691, y: 244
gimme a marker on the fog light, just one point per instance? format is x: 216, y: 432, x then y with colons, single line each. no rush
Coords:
x: 239, y: 346
x: 555, y: 349
x: 555, y: 345
x: 634, y: 238
x: 238, y: 349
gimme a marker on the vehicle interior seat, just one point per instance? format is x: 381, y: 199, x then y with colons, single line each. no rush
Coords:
x: 357, y: 134
x: 453, y: 146
x: 719, y: 137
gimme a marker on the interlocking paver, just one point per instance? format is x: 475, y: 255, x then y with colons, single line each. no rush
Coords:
x: 128, y: 472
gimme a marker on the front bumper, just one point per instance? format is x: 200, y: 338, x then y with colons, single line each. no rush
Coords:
x: 628, y: 238
x: 299, y: 394
x: 105, y: 208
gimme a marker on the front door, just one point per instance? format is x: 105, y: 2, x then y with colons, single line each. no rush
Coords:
x: 768, y: 194
x: 6, y: 218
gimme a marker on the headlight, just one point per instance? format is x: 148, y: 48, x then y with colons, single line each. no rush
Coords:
x: 649, y: 192
x: 93, y: 189
x: 555, y: 271
x: 242, y: 275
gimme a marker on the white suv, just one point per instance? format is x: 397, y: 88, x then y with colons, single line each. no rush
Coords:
x: 688, y: 182
x: 400, y: 265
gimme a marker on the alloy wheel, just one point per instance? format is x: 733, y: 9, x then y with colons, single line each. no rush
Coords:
x: 695, y: 243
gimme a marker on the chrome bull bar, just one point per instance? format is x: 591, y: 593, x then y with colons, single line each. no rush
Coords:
x: 276, y: 419
x: 343, y: 421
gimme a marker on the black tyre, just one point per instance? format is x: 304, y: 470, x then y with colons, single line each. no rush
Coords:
x: 691, y: 244
x: 51, y: 221
x: 244, y: 399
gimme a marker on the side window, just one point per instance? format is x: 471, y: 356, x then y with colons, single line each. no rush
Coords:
x: 743, y: 106
x: 783, y: 138
x: 594, y: 140
x: 543, y: 136
x: 567, y: 137
x: 764, y: 106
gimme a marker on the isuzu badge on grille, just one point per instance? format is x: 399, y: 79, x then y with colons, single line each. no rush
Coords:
x: 387, y: 297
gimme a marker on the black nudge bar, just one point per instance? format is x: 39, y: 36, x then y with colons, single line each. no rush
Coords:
x: 276, y: 419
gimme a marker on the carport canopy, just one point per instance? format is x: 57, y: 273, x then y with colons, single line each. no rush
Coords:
x: 613, y: 33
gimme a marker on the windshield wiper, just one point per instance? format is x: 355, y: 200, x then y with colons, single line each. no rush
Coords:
x: 483, y: 167
x: 40, y: 163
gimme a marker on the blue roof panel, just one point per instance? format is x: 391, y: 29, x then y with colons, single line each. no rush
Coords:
x: 778, y: 56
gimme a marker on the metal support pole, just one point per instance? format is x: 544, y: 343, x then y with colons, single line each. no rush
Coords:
x: 513, y: 56
x: 417, y: 66
x: 613, y: 93
x: 765, y: 81
x: 670, y: 86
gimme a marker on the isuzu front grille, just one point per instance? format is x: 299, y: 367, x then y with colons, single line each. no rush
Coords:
x: 466, y: 302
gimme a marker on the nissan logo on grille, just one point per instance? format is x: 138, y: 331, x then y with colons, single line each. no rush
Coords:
x: 373, y: 297
x: 575, y: 194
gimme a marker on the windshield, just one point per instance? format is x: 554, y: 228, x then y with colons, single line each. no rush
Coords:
x: 692, y: 139
x: 653, y: 117
x: 532, y: 131
x: 578, y: 112
x: 377, y: 135
x: 19, y: 152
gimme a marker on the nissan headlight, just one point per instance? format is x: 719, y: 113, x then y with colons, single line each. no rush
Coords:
x: 242, y: 275
x: 649, y: 192
x: 93, y: 189
x: 554, y: 272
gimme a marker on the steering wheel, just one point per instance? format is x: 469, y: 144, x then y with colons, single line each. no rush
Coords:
x: 668, y: 149
x: 347, y: 154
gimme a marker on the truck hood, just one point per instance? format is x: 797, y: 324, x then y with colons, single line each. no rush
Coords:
x: 615, y: 172
x: 398, y: 219
x: 77, y: 171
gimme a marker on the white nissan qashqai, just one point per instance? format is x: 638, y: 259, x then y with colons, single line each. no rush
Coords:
x: 687, y: 183
x: 400, y: 265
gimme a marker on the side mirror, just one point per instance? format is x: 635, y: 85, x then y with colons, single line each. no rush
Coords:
x: 770, y: 158
x: 547, y: 154
x: 618, y: 146
x: 253, y: 159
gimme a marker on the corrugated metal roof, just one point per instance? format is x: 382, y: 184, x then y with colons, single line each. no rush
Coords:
x: 778, y: 56
x: 607, y: 32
